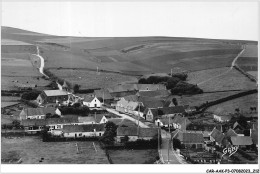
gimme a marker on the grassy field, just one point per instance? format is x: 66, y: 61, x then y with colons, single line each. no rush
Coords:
x: 90, y: 79
x: 233, y: 80
x: 196, y: 100
x: 243, y: 103
x: 18, y: 67
x: 32, y: 150
x: 133, y: 156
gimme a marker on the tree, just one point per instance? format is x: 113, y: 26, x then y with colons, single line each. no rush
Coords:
x: 76, y: 88
x: 174, y: 101
x: 32, y: 95
x: 171, y: 82
x: 109, y: 134
x: 176, y: 143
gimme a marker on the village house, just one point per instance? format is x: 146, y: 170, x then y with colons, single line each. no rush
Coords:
x: 52, y: 96
x: 153, y: 114
x: 222, y: 118
x: 104, y: 96
x: 132, y: 134
x: 180, y: 122
x: 65, y: 86
x: 33, y: 125
x: 58, y: 123
x: 38, y: 113
x: 125, y: 106
x: 190, y: 140
x: 91, y: 101
x: 80, y: 131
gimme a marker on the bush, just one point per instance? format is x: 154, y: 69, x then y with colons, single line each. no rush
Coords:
x: 176, y: 143
x: 181, y: 76
x: 171, y: 82
x: 82, y: 110
x: 32, y: 95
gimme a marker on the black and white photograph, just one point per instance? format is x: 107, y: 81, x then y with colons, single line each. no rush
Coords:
x: 171, y: 86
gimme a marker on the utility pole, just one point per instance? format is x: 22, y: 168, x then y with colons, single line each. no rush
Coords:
x: 103, y: 96
x: 169, y: 141
x: 138, y: 119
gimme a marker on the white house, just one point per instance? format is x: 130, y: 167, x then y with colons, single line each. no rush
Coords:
x: 58, y: 123
x: 38, y: 113
x: 80, y: 131
x: 91, y: 101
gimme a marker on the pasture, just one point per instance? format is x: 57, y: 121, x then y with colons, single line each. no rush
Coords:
x: 232, y: 80
x: 91, y: 79
x: 33, y: 151
x: 243, y: 103
x: 198, y: 99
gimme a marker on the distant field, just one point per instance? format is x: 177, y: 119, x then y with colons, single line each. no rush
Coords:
x: 90, y: 79
x: 32, y: 149
x: 18, y: 67
x: 233, y: 80
x: 133, y: 156
x: 203, y: 75
x: 196, y: 100
x: 243, y: 103
x: 250, y: 51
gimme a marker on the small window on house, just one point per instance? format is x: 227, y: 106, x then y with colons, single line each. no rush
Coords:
x: 80, y: 134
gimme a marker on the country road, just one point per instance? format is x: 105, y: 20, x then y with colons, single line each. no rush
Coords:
x: 225, y: 72
x: 127, y: 117
x: 42, y: 62
x: 174, y: 158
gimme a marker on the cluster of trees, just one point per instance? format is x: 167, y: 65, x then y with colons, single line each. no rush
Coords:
x: 76, y: 89
x: 81, y: 110
x: 176, y: 83
x: 185, y: 88
x: 32, y: 95
x: 109, y: 135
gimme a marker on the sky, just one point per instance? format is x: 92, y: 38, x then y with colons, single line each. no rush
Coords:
x: 218, y: 20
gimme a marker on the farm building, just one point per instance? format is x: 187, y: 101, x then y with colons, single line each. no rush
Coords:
x: 217, y: 137
x: 80, y: 131
x: 91, y: 101
x: 190, y: 140
x: 52, y: 96
x: 33, y: 125
x: 38, y: 113
x: 58, y: 123
x: 155, y: 94
x: 132, y: 134
x: 122, y: 90
x: 125, y: 106
x: 152, y: 114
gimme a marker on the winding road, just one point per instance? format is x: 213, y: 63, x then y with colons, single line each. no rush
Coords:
x: 42, y: 62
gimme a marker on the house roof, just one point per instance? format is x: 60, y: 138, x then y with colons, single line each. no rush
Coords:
x: 27, y: 85
x: 88, y: 98
x: 230, y: 133
x: 153, y: 103
x: 65, y: 85
x: 83, y: 128
x: 34, y: 122
x: 158, y: 93
x: 117, y: 121
x: 100, y: 93
x: 62, y: 120
x: 127, y: 123
x: 217, y: 135
x: 39, y: 111
x: 241, y: 140
x: 187, y: 137
x: 132, y: 131
x: 151, y: 87
x: 86, y: 119
x: 128, y: 104
x: 55, y: 92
